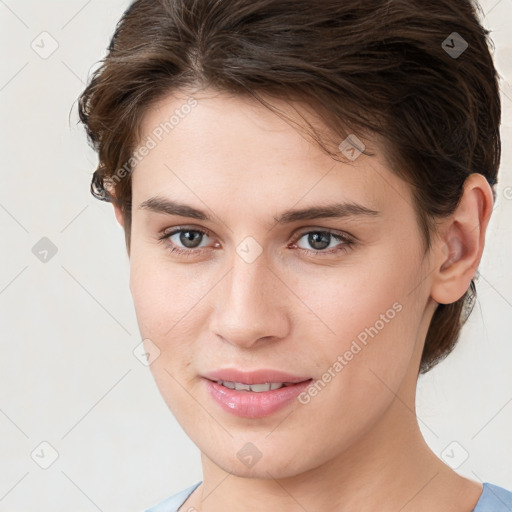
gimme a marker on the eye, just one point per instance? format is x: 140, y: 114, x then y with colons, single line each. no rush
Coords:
x: 190, y: 238
x: 185, y: 241
x: 323, y: 241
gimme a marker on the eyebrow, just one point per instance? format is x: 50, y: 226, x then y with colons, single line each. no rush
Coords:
x: 159, y: 204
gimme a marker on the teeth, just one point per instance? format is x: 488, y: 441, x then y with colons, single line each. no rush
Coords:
x: 257, y: 388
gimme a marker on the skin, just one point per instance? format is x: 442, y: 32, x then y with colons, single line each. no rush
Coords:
x: 357, y: 444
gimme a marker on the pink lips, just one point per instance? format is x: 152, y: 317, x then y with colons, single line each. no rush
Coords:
x: 250, y: 404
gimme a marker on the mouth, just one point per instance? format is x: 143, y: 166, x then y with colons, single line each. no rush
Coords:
x: 254, y: 395
x: 256, y: 388
x: 264, y: 376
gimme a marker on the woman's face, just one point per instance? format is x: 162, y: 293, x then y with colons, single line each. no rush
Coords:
x: 265, y: 281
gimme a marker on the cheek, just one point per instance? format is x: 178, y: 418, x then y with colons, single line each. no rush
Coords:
x: 165, y: 299
x: 365, y: 319
x: 165, y: 295
x: 363, y: 364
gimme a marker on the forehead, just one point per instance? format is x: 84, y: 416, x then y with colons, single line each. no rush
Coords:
x: 232, y: 147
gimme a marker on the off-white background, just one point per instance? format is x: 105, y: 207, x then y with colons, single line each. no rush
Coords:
x: 68, y: 375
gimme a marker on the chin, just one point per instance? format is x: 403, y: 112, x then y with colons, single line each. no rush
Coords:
x: 248, y: 457
x: 263, y: 469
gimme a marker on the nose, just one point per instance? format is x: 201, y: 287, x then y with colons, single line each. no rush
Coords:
x: 251, y: 304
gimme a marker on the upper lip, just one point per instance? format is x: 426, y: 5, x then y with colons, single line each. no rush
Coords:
x: 261, y: 376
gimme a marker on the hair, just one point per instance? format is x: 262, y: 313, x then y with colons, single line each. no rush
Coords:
x: 380, y: 67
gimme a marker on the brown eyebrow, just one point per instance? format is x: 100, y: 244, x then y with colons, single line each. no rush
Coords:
x: 162, y: 205
x: 338, y: 210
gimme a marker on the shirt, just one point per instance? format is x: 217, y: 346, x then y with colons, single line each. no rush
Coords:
x: 492, y: 499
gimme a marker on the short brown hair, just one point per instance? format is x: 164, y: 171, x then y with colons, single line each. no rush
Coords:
x: 387, y: 67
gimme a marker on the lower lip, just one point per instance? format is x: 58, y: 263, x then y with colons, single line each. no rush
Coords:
x: 249, y: 404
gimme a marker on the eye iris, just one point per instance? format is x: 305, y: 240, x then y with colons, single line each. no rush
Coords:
x: 189, y: 238
x: 319, y: 240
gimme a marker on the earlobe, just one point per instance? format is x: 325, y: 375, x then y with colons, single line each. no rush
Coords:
x: 459, y: 247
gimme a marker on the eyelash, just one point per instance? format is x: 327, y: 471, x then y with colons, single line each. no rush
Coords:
x: 344, y: 247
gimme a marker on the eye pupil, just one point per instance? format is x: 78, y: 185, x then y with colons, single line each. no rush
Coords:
x: 189, y: 238
x: 319, y: 240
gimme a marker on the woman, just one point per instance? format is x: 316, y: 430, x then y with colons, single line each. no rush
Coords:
x: 305, y: 189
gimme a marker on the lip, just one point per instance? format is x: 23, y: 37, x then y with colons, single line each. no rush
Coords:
x: 254, y: 377
x: 250, y: 404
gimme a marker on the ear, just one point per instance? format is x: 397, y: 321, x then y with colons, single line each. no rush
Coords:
x: 119, y: 215
x: 118, y: 211
x: 459, y: 247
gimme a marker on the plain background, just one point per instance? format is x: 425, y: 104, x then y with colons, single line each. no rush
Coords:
x: 68, y: 375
